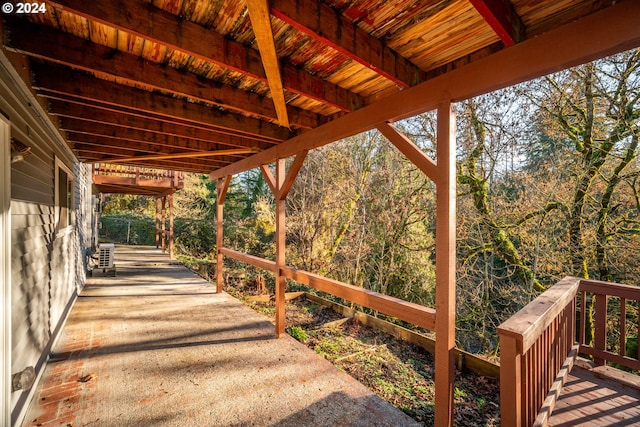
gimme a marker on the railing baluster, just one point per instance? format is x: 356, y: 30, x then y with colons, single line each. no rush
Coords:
x: 600, y: 336
x: 583, y: 316
x: 623, y: 326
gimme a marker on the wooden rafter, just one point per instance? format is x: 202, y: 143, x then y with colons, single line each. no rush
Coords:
x: 157, y: 129
x: 96, y: 153
x: 323, y: 23
x: 186, y: 166
x: 123, y: 133
x: 608, y: 31
x: 502, y: 18
x: 68, y: 82
x: 162, y: 27
x: 56, y: 46
x: 261, y: 23
x: 171, y: 156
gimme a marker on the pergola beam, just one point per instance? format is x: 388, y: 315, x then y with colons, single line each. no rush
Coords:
x: 148, y: 22
x: 608, y: 31
x: 502, y: 18
x: 55, y: 46
x: 320, y: 22
x: 261, y: 23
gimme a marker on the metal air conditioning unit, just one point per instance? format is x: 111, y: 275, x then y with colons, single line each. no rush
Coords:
x: 106, y: 257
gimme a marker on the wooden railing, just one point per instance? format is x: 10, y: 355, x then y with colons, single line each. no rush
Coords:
x: 409, y: 312
x: 538, y: 346
x: 138, y: 173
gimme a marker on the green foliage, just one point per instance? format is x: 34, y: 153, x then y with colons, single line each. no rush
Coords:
x: 298, y: 333
x: 128, y: 229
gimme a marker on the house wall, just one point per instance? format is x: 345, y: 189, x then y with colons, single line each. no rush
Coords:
x: 47, y: 263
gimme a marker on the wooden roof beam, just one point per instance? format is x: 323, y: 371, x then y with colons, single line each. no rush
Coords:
x: 261, y: 23
x: 502, y: 18
x: 321, y: 22
x: 148, y: 22
x: 173, y: 156
x: 158, y: 140
x: 89, y: 157
x: 92, y: 144
x: 125, y: 141
x: 68, y: 82
x: 73, y: 108
x: 602, y: 33
x: 55, y: 46
x: 105, y: 146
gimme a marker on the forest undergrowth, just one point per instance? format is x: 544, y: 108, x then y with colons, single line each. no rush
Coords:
x: 397, y: 371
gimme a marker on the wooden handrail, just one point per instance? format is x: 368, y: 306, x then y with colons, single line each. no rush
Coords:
x: 603, y: 291
x: 538, y: 346
x: 526, y: 325
x: 534, y: 345
x: 107, y: 169
x: 407, y: 311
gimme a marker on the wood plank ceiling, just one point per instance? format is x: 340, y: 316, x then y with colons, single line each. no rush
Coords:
x: 196, y: 85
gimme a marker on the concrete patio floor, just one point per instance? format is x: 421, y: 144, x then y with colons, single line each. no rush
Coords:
x: 156, y: 346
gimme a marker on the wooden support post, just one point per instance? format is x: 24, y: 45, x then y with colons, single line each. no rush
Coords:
x: 162, y: 223
x: 445, y: 264
x: 171, y: 225
x: 510, y: 382
x: 157, y: 222
x: 222, y: 187
x: 280, y: 247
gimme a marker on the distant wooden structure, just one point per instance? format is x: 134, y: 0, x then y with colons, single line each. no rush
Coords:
x: 216, y: 87
x: 158, y: 183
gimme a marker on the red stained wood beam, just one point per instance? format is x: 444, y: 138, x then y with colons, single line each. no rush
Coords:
x: 159, y: 129
x: 148, y: 22
x: 98, y: 146
x: 161, y: 141
x: 606, y: 32
x: 61, y: 48
x: 67, y: 82
x: 261, y: 23
x: 320, y: 22
x: 502, y: 18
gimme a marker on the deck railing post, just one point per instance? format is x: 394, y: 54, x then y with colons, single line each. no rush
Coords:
x: 445, y: 264
x: 510, y: 382
x: 162, y: 223
x: 222, y: 187
x: 157, y: 222
x: 280, y: 247
x: 171, y: 225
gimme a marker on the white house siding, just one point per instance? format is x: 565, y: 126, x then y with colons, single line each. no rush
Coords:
x: 47, y: 264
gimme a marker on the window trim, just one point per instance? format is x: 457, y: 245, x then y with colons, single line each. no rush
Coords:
x: 60, y: 165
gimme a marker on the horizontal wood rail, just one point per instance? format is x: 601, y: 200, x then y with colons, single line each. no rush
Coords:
x: 538, y: 345
x: 107, y: 169
x: 262, y: 263
x: 407, y: 311
x: 605, y: 292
